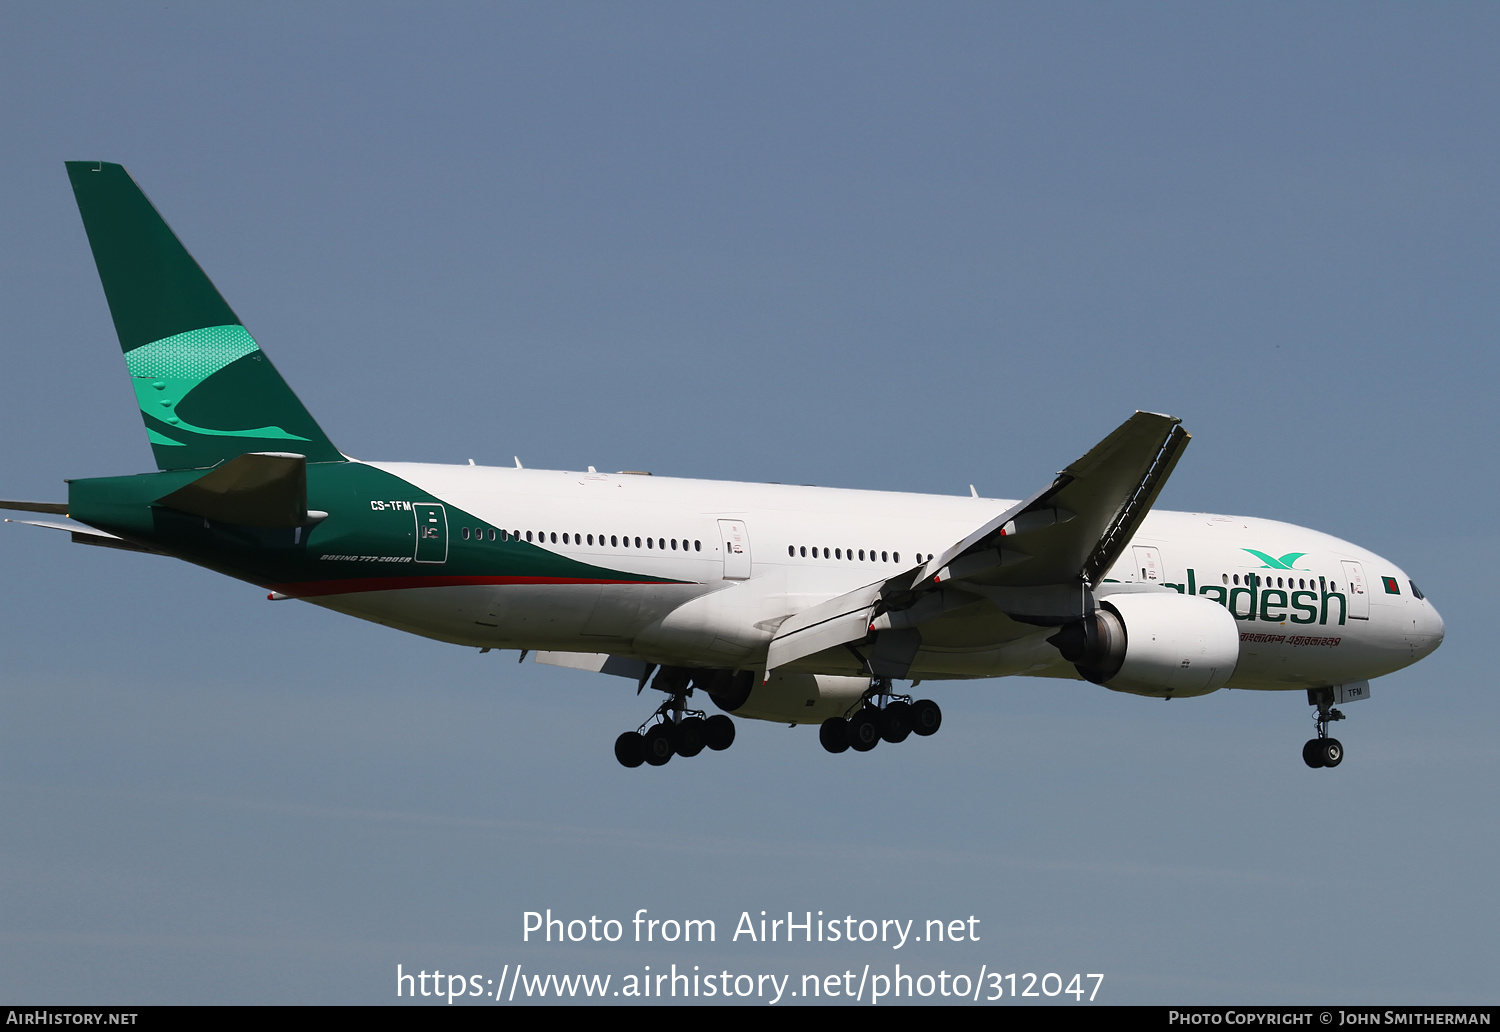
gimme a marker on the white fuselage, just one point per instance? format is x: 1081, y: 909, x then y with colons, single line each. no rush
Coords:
x: 1312, y: 610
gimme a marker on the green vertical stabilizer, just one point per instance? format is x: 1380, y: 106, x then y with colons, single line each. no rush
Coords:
x: 207, y: 392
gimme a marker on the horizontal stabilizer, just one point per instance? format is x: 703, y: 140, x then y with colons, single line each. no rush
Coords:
x: 55, y: 508
x: 260, y: 489
x: 83, y: 535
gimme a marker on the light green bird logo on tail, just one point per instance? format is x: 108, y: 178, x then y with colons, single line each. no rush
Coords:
x: 207, y: 392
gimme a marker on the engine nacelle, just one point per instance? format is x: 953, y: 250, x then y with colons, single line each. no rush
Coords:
x: 1154, y: 643
x: 789, y: 697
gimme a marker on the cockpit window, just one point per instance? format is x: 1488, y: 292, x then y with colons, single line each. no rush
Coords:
x: 1416, y: 590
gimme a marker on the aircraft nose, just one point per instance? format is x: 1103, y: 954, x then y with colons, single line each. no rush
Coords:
x: 1434, y: 628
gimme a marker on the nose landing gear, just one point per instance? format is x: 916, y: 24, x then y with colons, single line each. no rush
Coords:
x: 1323, y: 751
x: 880, y: 714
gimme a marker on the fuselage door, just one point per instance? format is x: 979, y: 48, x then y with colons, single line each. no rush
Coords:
x: 432, y: 532
x: 1359, y: 593
x: 736, y: 540
x: 1148, y: 564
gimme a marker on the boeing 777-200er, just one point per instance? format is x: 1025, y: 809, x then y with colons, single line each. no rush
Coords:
x: 795, y: 604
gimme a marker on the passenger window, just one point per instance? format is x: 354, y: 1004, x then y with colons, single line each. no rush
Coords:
x: 697, y: 546
x: 614, y: 541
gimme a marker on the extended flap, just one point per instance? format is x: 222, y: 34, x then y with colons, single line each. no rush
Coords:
x: 823, y: 626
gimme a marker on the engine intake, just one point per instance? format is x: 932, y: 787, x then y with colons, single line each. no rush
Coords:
x: 1153, y: 644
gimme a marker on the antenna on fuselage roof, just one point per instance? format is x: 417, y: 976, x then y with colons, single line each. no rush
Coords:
x: 518, y: 462
x: 973, y: 493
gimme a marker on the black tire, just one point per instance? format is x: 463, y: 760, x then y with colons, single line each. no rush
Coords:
x: 864, y: 730
x: 718, y: 732
x: 689, y: 739
x: 895, y: 722
x: 926, y: 717
x: 1332, y: 752
x: 659, y: 748
x: 834, y: 734
x: 1310, y: 753
x: 630, y: 749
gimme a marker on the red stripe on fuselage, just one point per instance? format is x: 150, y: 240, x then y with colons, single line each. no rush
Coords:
x: 310, y: 589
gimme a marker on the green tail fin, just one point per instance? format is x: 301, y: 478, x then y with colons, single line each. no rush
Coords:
x: 206, y: 390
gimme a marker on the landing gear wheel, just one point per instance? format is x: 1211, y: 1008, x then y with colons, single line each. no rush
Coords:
x: 926, y: 717
x: 834, y: 734
x: 718, y: 732
x: 864, y: 730
x: 896, y: 722
x: 1323, y: 751
x: 658, y: 742
x: 689, y: 739
x: 630, y: 749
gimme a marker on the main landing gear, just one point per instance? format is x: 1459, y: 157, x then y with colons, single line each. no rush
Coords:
x: 880, y: 714
x: 1323, y: 751
x: 673, y: 730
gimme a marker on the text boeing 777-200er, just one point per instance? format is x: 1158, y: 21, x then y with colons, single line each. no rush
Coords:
x: 796, y: 604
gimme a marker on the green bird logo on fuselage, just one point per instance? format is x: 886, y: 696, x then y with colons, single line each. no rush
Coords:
x: 1284, y: 563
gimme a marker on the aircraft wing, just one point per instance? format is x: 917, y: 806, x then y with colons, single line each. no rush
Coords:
x: 828, y: 624
x: 1075, y: 528
x: 1036, y: 562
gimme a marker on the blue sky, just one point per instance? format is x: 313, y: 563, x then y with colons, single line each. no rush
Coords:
x: 886, y: 246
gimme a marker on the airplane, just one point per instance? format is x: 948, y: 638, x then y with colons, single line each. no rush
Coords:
x: 801, y: 605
